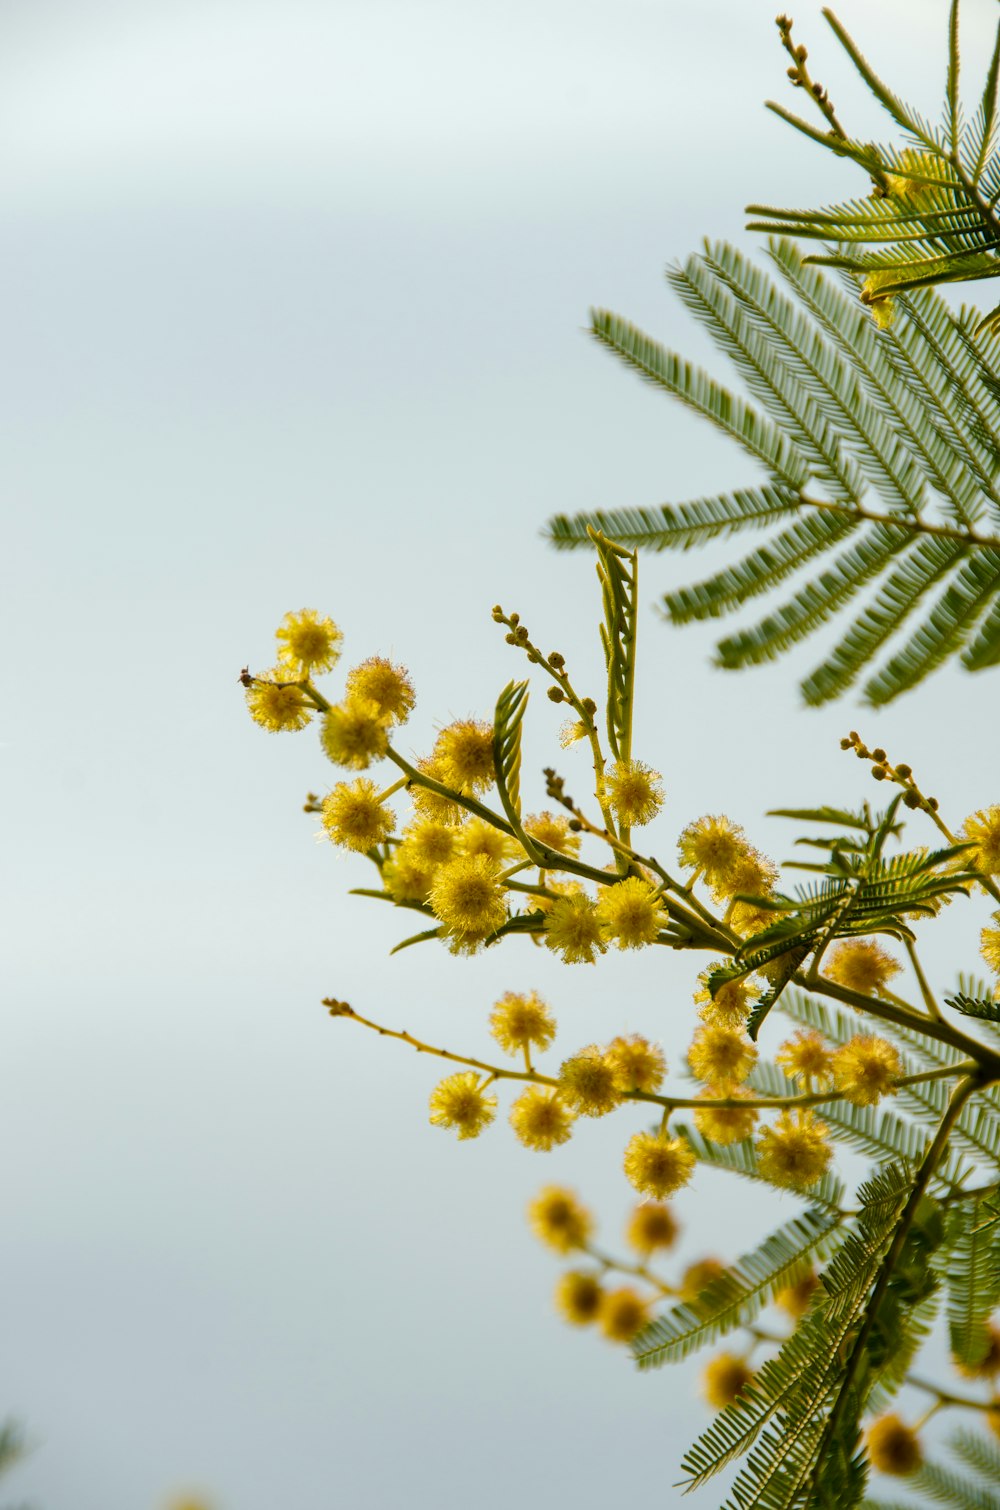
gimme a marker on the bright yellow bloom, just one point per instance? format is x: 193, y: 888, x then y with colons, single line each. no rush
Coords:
x: 468, y: 898
x: 480, y: 838
x: 893, y: 1447
x: 807, y: 1056
x: 753, y: 874
x: 658, y: 1165
x: 651, y: 1226
x: 723, y: 1378
x: 698, y: 1276
x: 355, y: 817
x: 725, y: 1124
x: 570, y: 731
x: 384, y: 684
x: 721, y: 1056
x: 747, y: 920
x: 553, y: 830
x: 631, y: 913
x: 989, y: 945
x: 354, y: 734
x: 861, y: 965
x: 578, y: 1297
x: 521, y: 1022
x: 276, y: 703
x: 634, y: 791
x: 866, y: 1069
x: 587, y: 1082
x: 431, y: 804
x: 559, y: 1219
x: 405, y: 878
x: 984, y: 829
x: 464, y: 754
x: 636, y: 1064
x: 572, y: 929
x: 307, y: 643
x: 541, y: 1119
x: 623, y: 1314
x: 459, y: 1102
x: 794, y: 1153
x: 712, y: 846
x: 795, y: 1298
x: 430, y: 844
x: 730, y: 1006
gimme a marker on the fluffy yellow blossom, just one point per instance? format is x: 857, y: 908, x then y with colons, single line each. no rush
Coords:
x: 983, y: 828
x: 636, y: 1064
x: 572, y: 929
x: 432, y: 804
x: 748, y: 920
x: 464, y: 755
x: 519, y: 1022
x: 634, y: 792
x: 541, y: 1119
x: 468, y: 898
x: 651, y: 1226
x: 480, y: 838
x: 720, y: 1055
x: 430, y: 844
x: 658, y: 1165
x: 698, y: 1276
x: 623, y: 1313
x: 571, y: 731
x: 712, y: 846
x: 893, y: 1447
x: 559, y: 1219
x: 355, y: 817
x: 725, y: 1124
x: 795, y: 1298
x: 722, y: 1379
x: 794, y: 1153
x: 730, y: 1006
x: 631, y: 913
x: 384, y: 684
x: 405, y: 878
x: 578, y: 1297
x: 989, y: 945
x: 553, y: 830
x: 753, y: 874
x: 354, y: 734
x: 861, y: 965
x: 460, y: 1102
x: 807, y: 1056
x: 866, y: 1069
x: 989, y: 1365
x: 587, y: 1082
x: 307, y: 643
x: 276, y: 703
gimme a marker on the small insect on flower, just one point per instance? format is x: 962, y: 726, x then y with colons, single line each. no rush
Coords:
x: 307, y: 643
x: 559, y: 1219
x: 658, y: 1165
x: 277, y: 702
x: 459, y: 1102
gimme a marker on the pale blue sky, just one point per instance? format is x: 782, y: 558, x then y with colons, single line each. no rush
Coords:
x: 293, y: 313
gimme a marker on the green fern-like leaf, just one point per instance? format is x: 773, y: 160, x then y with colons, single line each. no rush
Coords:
x: 616, y: 570
x: 972, y: 1275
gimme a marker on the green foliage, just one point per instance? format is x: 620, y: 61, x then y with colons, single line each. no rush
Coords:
x: 972, y: 1276
x: 507, y: 722
x: 616, y: 572
x: 741, y: 1159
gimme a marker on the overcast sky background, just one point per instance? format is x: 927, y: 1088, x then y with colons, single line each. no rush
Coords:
x: 293, y: 303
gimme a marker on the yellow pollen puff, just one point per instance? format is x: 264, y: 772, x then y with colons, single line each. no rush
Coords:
x: 573, y: 929
x: 866, y: 1069
x: 630, y: 913
x: 355, y: 818
x: 384, y: 684
x: 893, y: 1447
x: 459, y: 1102
x: 553, y: 830
x: 983, y: 828
x: 622, y: 1315
x: 989, y: 945
x: 861, y: 965
x: 753, y: 874
x: 712, y: 846
x: 405, y: 878
x: 794, y: 1153
x: 636, y: 1064
x: 806, y: 1056
x: 464, y: 754
x: 468, y: 898
x: 658, y: 1165
x: 558, y: 1218
x: 698, y: 1276
x: 723, y: 1378
x: 730, y: 1006
x: 634, y: 791
x: 541, y: 1119
x: 431, y: 844
x: 720, y: 1055
x: 651, y: 1226
x: 277, y: 704
x: 521, y: 1022
x: 478, y: 837
x: 725, y: 1124
x: 307, y: 643
x: 587, y: 1082
x: 747, y: 920
x: 571, y: 731
x: 795, y: 1298
x: 578, y: 1297
x: 430, y: 804
x: 354, y: 734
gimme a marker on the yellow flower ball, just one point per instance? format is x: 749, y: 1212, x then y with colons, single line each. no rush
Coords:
x: 631, y: 913
x: 658, y: 1165
x: 720, y: 1055
x: 553, y: 830
x: 636, y: 1064
x: 723, y: 1378
x: 307, y: 643
x: 459, y: 1102
x: 634, y: 791
x: 578, y: 1297
x: 541, y: 1119
x: 651, y: 1226
x: 861, y: 965
x: 277, y: 703
x: 623, y: 1313
x: 387, y: 686
x: 355, y: 817
x: 725, y: 1124
x: 559, y: 1219
x: 866, y: 1069
x: 893, y: 1447
x: 468, y: 899
x: 807, y: 1056
x: 983, y: 828
x: 519, y: 1022
x: 573, y: 929
x: 587, y: 1082
x: 354, y: 734
x: 464, y: 755
x: 796, y: 1298
x: 794, y: 1153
